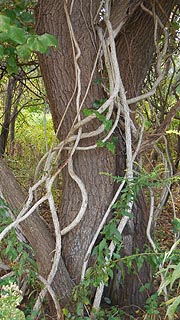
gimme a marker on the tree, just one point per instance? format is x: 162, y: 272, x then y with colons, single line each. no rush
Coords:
x: 96, y: 40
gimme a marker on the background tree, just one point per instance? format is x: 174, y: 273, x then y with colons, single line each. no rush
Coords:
x: 96, y: 40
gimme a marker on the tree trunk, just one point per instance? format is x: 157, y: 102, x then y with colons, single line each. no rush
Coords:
x: 36, y: 232
x: 60, y: 85
x: 135, y: 50
x: 14, y: 117
x: 7, y: 115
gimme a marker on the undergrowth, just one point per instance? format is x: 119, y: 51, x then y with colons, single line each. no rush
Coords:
x: 33, y: 139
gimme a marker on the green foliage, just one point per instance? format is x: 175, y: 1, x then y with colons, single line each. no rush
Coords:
x: 18, y: 256
x: 32, y: 137
x: 98, y: 103
x: 17, y: 43
x: 141, y: 180
x: 151, y: 305
x: 12, y: 249
x: 10, y: 298
x: 171, y: 277
x: 103, y: 269
x: 110, y: 145
x: 99, y: 273
x: 112, y: 313
x: 17, y: 37
x: 176, y: 225
x: 172, y: 307
x: 101, y: 117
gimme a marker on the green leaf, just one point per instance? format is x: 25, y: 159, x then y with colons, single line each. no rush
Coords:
x: 175, y: 275
x: 172, y: 308
x: 144, y: 287
x: 23, y: 51
x: 97, y: 81
x: 175, y: 25
x: 110, y: 146
x: 65, y: 311
x: 88, y: 112
x: 99, y: 103
x: 107, y: 125
x: 4, y: 23
x: 115, y: 140
x: 140, y: 261
x: 4, y: 36
x: 126, y: 213
x: 116, y: 256
x: 17, y: 34
x: 105, y: 278
x: 86, y: 301
x: 110, y: 273
x: 10, y: 13
x: 96, y: 104
x: 9, y: 51
x: 11, y: 64
x: 27, y: 17
x: 79, y: 309
x: 102, y: 245
x: 11, y: 60
x: 100, y: 144
x: 35, y: 44
x: 148, y: 124
x: 107, y: 300
x: 49, y: 40
x: 42, y: 43
x: 176, y: 225
x: 17, y: 315
x: 100, y: 116
x: 1, y: 51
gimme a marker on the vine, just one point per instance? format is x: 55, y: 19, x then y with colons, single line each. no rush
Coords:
x: 17, y: 44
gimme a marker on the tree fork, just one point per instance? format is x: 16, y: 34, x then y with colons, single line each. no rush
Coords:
x: 59, y: 77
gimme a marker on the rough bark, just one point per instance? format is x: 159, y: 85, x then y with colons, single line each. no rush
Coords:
x: 135, y: 53
x: 58, y: 73
x: 135, y: 50
x: 59, y: 77
x: 36, y: 232
x: 7, y: 115
x: 135, y: 44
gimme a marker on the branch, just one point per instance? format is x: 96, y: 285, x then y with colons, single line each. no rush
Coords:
x: 120, y: 13
x: 161, y: 130
x: 160, y: 56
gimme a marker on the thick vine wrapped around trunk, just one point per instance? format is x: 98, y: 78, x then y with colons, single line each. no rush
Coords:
x: 135, y: 48
x: 70, y: 75
x: 35, y: 231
